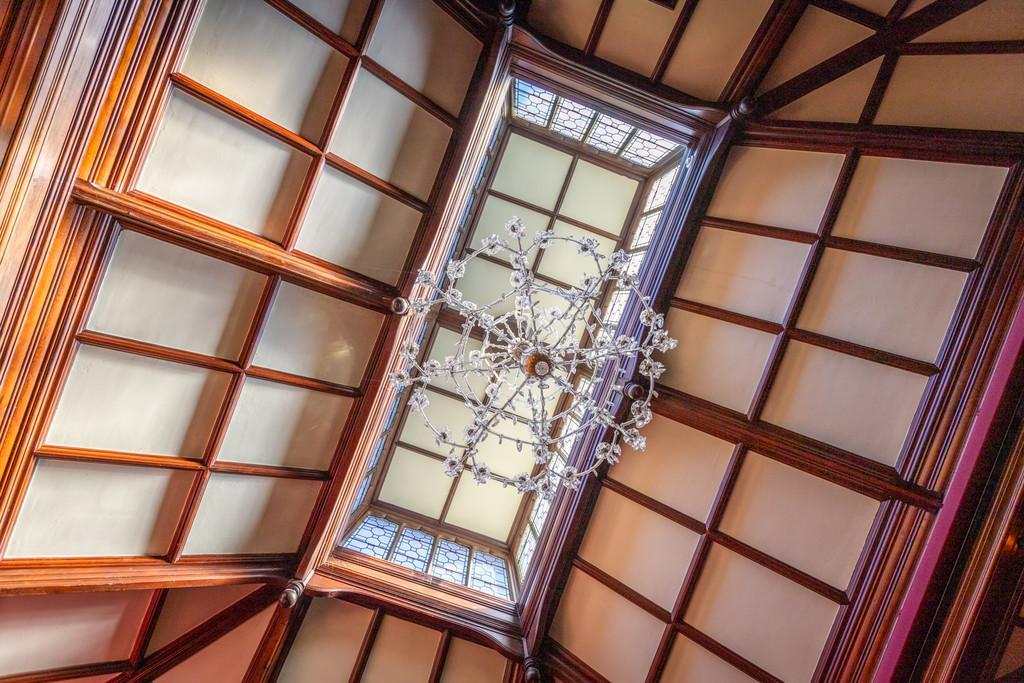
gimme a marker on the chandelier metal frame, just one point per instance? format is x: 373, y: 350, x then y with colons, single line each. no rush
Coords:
x: 528, y: 357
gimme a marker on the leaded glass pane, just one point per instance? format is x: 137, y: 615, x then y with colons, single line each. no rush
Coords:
x: 363, y: 488
x: 645, y: 230
x: 541, y: 508
x: 609, y: 133
x: 636, y: 259
x: 647, y: 149
x: 450, y: 561
x: 616, y: 307
x: 490, y: 575
x: 572, y: 119
x: 373, y: 537
x: 532, y: 103
x: 413, y: 549
x: 658, y: 194
x: 525, y: 551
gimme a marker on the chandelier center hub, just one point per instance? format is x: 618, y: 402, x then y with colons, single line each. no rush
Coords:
x: 537, y: 365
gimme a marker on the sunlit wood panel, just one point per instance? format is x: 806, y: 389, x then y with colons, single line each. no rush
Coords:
x: 471, y: 663
x: 564, y: 263
x: 283, y: 425
x: 383, y: 132
x: 567, y: 21
x: 777, y: 187
x: 744, y: 273
x: 314, y: 335
x: 488, y: 509
x: 532, y: 171
x: 292, y: 84
x: 328, y: 642
x: 715, y: 360
x: 760, y: 615
x: 712, y: 44
x: 605, y: 630
x: 956, y: 91
x: 688, y: 662
x: 647, y: 552
x: 950, y: 212
x: 227, y: 658
x: 183, y: 609
x: 159, y: 293
x: 809, y: 523
x: 352, y: 225
x: 681, y: 467
x: 818, y: 35
x: 599, y: 197
x: 209, y: 162
x: 402, y: 651
x: 345, y: 17
x: 891, y: 305
x: 858, y: 405
x: 123, y: 402
x: 39, y: 632
x: 635, y: 34
x: 415, y: 482
x: 841, y: 100
x: 428, y: 49
x: 83, y: 509
x: 247, y: 514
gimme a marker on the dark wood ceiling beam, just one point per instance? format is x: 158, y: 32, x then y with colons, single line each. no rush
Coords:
x: 975, y: 47
x: 273, y: 649
x: 678, y: 28
x: 764, y: 47
x: 848, y: 10
x: 67, y: 673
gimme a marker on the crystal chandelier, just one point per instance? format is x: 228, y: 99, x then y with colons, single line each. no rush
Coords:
x: 515, y: 362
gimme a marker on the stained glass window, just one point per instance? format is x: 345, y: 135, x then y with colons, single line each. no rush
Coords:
x: 363, y: 488
x: 609, y: 133
x: 658, y: 194
x: 413, y: 549
x: 527, y: 544
x: 616, y: 307
x: 490, y: 575
x: 572, y: 119
x: 645, y: 230
x: 647, y: 149
x: 532, y: 103
x: 373, y: 537
x: 450, y: 561
x: 636, y: 259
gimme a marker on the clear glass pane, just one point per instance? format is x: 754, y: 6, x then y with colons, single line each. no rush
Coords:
x: 413, y: 549
x: 450, y: 561
x: 609, y: 134
x: 373, y: 537
x: 532, y: 103
x: 572, y: 119
x: 647, y: 149
x: 490, y: 575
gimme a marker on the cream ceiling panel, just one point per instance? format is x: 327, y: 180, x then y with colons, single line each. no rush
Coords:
x: 402, y: 651
x: 715, y: 360
x: 635, y: 34
x: 486, y: 283
x: 564, y: 263
x: 247, y: 514
x: 712, y: 44
x: 605, y: 630
x: 879, y: 7
x: 688, y: 662
x: 383, y: 132
x: 159, y: 293
x: 956, y: 91
x: 122, y: 402
x: 777, y: 187
x: 647, y: 552
x: 858, y: 405
x: 809, y: 523
x: 428, y: 49
x: 744, y: 273
x: 818, y: 35
x: 84, y: 509
x: 915, y: 5
x: 488, y: 509
x: 495, y: 213
x: 328, y: 642
x: 532, y: 172
x: 991, y: 20
x: 185, y: 608
x: 355, y: 226
x: 39, y: 632
x: 599, y: 197
x: 882, y: 303
x: 567, y: 21
x: 444, y: 346
x: 415, y: 482
x: 927, y: 205
x: 773, y: 622
x: 293, y: 84
x: 681, y: 467
x: 209, y: 162
x: 841, y: 100
x: 344, y: 16
x: 227, y: 658
x: 283, y: 425
x: 471, y: 663
x: 315, y: 335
